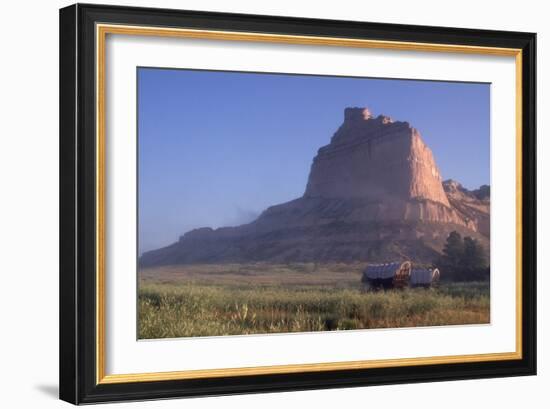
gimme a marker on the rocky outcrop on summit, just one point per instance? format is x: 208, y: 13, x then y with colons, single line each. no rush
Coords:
x: 374, y: 193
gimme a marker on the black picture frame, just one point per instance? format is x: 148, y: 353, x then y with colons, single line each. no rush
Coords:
x: 78, y: 359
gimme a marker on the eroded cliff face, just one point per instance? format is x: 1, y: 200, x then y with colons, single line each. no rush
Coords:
x: 387, y: 164
x: 376, y: 159
x: 471, y: 205
x: 374, y: 193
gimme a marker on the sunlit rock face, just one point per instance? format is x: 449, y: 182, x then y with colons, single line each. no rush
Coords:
x: 375, y: 158
x: 374, y: 193
x: 386, y: 163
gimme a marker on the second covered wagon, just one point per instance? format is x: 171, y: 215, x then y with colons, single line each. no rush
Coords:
x: 424, y: 277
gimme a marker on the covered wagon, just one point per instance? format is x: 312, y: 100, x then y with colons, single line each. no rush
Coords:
x: 387, y: 275
x: 424, y: 277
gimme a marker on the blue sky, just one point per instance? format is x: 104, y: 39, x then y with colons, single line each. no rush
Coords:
x: 216, y: 148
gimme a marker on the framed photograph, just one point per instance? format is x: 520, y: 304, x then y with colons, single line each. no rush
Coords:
x: 257, y: 203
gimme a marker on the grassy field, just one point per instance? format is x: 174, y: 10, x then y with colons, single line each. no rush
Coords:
x: 236, y: 299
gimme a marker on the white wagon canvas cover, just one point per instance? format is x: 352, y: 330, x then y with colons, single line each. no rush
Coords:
x: 424, y: 276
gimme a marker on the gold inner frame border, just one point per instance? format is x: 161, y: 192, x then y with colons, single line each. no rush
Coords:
x: 102, y: 30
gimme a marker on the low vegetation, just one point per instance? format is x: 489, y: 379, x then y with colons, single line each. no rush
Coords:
x: 262, y: 298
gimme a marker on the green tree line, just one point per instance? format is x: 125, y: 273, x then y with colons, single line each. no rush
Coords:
x: 463, y: 259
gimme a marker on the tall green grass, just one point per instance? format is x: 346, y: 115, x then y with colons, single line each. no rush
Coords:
x: 190, y: 309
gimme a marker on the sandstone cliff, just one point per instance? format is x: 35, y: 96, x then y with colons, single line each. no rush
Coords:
x: 374, y: 193
x: 376, y: 159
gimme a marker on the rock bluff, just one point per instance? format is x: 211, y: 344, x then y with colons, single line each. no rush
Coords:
x: 374, y: 193
x: 377, y: 159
